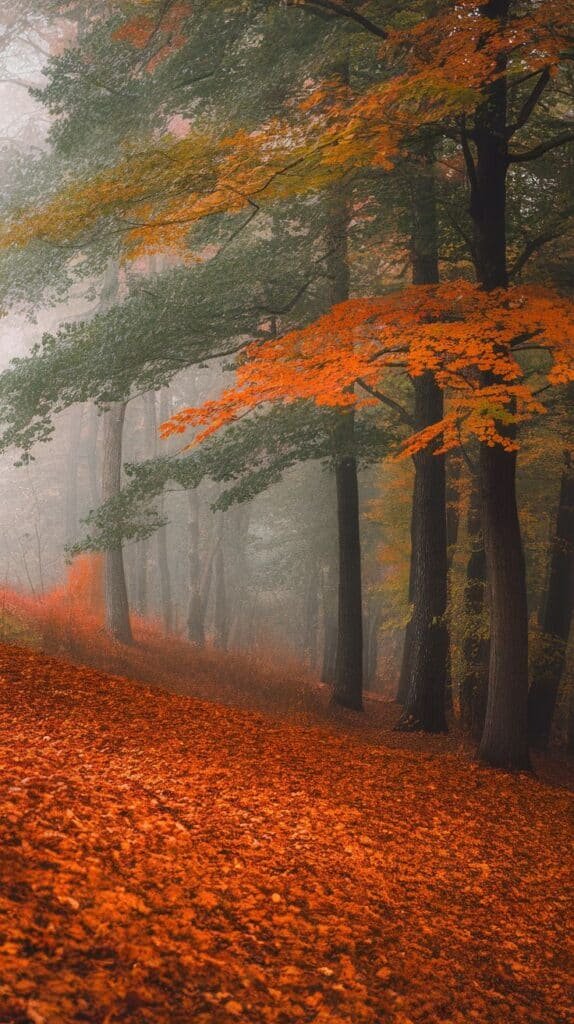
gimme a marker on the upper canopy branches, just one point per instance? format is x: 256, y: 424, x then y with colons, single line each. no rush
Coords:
x: 430, y: 74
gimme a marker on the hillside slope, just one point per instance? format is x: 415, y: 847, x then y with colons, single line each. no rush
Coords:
x: 168, y: 860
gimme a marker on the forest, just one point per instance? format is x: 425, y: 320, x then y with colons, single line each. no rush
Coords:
x: 287, y: 547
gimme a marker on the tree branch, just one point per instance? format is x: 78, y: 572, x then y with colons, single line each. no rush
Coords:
x: 529, y: 103
x: 343, y: 11
x: 544, y: 147
x: 390, y: 402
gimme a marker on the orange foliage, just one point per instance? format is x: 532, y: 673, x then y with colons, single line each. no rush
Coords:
x: 165, y: 25
x: 455, y: 330
x: 165, y: 860
x: 442, y: 66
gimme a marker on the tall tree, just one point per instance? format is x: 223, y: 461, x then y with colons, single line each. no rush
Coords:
x: 556, y: 617
x: 426, y: 640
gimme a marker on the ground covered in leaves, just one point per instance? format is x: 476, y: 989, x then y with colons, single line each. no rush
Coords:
x: 167, y: 860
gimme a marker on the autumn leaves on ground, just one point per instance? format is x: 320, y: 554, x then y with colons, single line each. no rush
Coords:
x: 168, y: 859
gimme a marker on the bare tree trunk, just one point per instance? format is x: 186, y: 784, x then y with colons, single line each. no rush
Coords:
x: 348, y: 682
x: 426, y: 644
x: 311, y: 612
x: 220, y: 617
x: 92, y: 455
x: 116, y: 595
x: 162, y: 545
x: 195, y: 614
x: 504, y: 742
x: 556, y: 616
x: 329, y: 629
x: 75, y: 428
x: 475, y: 649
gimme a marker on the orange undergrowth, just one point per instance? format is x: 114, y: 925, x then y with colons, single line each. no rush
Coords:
x: 168, y: 860
x: 69, y: 620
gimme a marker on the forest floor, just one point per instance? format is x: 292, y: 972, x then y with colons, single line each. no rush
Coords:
x: 167, y: 860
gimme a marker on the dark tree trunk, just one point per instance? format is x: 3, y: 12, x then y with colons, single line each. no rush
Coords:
x: 116, y: 595
x: 426, y: 643
x: 406, y: 660
x: 475, y: 648
x: 348, y: 685
x: 504, y: 741
x: 195, y: 614
x: 556, y: 616
x: 424, y: 707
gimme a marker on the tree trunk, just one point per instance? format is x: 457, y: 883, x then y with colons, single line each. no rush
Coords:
x: 311, y: 623
x: 195, y: 615
x: 504, y: 741
x: 141, y: 576
x: 348, y: 684
x: 426, y: 656
x: 75, y: 428
x: 474, y: 683
x: 556, y: 616
x: 116, y: 595
x: 162, y: 545
x: 406, y: 660
x: 424, y: 707
x: 329, y: 630
x: 220, y: 617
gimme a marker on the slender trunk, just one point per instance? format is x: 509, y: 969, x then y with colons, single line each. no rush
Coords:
x: 141, y: 577
x: 406, y: 660
x: 195, y: 614
x: 162, y: 545
x: 75, y: 428
x: 311, y: 624
x: 556, y: 616
x: 92, y: 455
x: 348, y: 687
x: 474, y: 683
x: 427, y: 653
x: 329, y: 630
x: 116, y: 595
x: 348, y: 684
x: 504, y: 740
x: 220, y: 618
x: 372, y: 645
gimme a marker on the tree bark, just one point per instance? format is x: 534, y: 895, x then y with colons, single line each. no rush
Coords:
x: 556, y: 616
x: 195, y: 614
x: 504, y: 742
x: 426, y: 643
x: 220, y: 616
x: 116, y: 594
x: 162, y: 545
x: 474, y: 683
x: 311, y: 611
x: 348, y: 684
x: 424, y: 706
x: 75, y: 428
x: 329, y: 630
